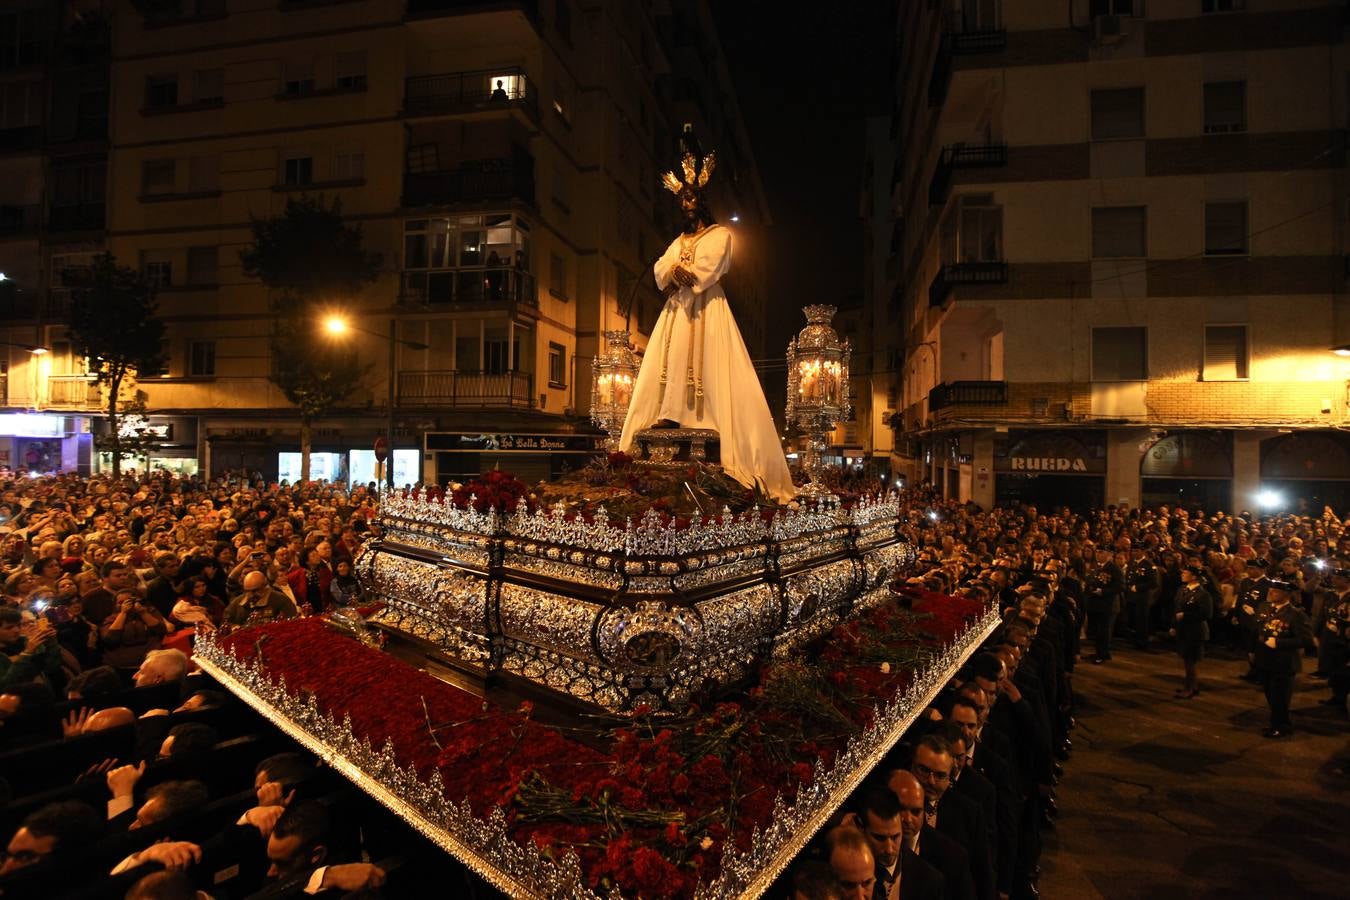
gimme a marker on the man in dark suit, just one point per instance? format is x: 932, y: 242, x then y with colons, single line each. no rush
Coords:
x: 1102, y: 596
x: 932, y: 846
x: 900, y: 874
x: 971, y: 784
x: 1283, y: 632
x: 948, y: 811
x: 965, y: 712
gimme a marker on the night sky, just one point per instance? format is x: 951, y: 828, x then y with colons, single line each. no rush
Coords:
x: 806, y: 78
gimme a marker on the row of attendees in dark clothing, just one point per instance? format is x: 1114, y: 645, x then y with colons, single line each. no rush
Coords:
x: 957, y: 810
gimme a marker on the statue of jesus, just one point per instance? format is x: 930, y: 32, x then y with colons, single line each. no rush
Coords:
x: 697, y: 372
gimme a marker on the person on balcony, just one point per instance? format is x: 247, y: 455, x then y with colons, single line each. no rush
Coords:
x: 697, y: 371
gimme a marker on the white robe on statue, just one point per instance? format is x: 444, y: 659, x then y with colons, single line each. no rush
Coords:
x: 709, y: 381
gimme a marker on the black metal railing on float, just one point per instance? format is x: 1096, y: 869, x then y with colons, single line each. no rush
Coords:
x: 497, y: 179
x: 982, y: 41
x: 487, y: 287
x: 469, y: 92
x: 451, y: 388
x: 968, y: 393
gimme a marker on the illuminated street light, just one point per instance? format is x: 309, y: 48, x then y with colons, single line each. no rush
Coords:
x: 1270, y: 499
x: 338, y: 326
x: 1342, y: 350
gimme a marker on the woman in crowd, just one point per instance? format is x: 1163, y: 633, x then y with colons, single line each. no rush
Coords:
x: 1194, y: 608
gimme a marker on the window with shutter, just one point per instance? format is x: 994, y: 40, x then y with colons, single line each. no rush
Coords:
x: 1225, y: 229
x: 1225, y: 107
x: 1117, y: 113
x: 1119, y: 232
x: 1225, y: 353
x: 1120, y: 354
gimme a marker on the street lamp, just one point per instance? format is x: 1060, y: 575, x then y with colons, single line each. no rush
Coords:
x: 817, y: 391
x: 1342, y: 350
x: 338, y: 326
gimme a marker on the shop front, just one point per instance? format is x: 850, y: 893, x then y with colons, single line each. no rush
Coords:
x: 462, y: 456
x: 45, y: 443
x: 1189, y: 469
x: 165, y: 445
x: 1049, y: 469
x: 1305, y: 471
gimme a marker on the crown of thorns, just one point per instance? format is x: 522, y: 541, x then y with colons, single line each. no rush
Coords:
x: 694, y: 173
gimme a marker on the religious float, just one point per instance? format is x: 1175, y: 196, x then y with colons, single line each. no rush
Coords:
x: 658, y: 677
x: 699, y: 696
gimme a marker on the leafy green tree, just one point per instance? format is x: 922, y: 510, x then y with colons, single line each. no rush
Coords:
x: 113, y: 324
x: 310, y: 259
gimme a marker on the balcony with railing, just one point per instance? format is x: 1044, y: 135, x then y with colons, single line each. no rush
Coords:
x: 74, y: 392
x: 963, y: 156
x: 473, y: 182
x: 984, y: 272
x: 466, y: 390
x: 486, y: 287
x: 968, y: 393
x: 470, y: 92
x: 979, y: 40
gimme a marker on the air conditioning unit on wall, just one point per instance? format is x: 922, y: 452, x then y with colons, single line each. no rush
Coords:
x: 1109, y: 29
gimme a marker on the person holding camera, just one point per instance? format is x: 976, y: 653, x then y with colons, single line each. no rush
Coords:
x: 131, y: 632
x: 28, y: 651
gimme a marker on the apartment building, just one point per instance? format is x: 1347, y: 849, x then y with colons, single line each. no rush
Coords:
x: 502, y: 158
x: 54, y: 66
x: 1117, y: 270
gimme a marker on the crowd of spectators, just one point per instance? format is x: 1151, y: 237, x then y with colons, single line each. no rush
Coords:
x: 123, y: 764
x: 958, y: 808
x: 120, y: 765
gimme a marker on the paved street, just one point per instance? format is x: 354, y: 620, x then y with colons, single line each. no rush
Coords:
x: 1176, y: 798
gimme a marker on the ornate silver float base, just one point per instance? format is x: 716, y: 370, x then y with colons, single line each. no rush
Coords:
x: 611, y: 618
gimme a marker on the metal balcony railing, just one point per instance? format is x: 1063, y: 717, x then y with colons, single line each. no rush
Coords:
x: 452, y: 388
x: 73, y: 392
x: 963, y: 156
x: 470, y: 92
x: 487, y: 287
x: 972, y: 156
x: 968, y: 393
x: 493, y: 179
x: 993, y: 272
x: 984, y: 41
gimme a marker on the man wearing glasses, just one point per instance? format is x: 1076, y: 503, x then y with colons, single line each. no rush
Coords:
x: 950, y: 813
x: 258, y: 604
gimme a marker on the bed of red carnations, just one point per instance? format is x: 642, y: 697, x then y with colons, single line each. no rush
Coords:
x: 650, y: 804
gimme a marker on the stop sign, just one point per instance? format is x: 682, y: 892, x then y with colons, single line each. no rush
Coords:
x: 381, y: 449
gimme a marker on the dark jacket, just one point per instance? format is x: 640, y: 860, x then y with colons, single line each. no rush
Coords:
x: 1292, y: 632
x: 949, y: 858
